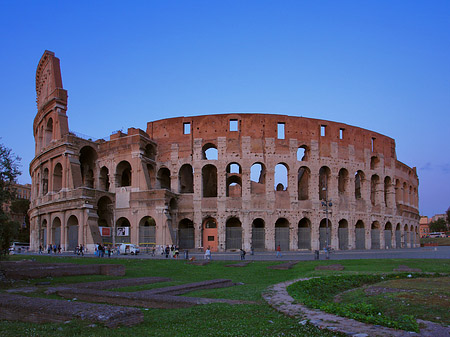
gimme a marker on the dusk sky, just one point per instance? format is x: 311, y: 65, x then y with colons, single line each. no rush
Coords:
x: 379, y: 65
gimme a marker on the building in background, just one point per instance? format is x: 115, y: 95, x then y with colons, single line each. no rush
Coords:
x: 226, y: 182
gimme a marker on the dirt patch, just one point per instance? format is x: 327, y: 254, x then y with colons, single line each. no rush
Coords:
x: 336, y: 267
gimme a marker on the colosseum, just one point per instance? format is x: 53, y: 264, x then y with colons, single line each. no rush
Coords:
x: 229, y: 181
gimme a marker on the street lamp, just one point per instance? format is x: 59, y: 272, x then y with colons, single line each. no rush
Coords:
x: 326, y: 203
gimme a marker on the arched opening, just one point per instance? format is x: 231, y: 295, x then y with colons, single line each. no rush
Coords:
x: 233, y: 234
x: 210, y: 237
x: 359, y: 178
x: 412, y: 237
x: 45, y: 182
x: 375, y: 235
x: 388, y: 235
x: 324, y: 178
x: 343, y: 234
x: 43, y: 233
x: 122, y: 230
x: 209, y: 181
x: 304, y: 234
x: 373, y: 189
x: 282, y: 234
x: 405, y: 236
x: 398, y: 192
x: 105, y: 219
x: 56, y: 232
x: 374, y: 163
x: 303, y: 183
x: 360, y: 235
x: 281, y: 177
x: 186, y: 234
x: 150, y: 151
x: 209, y: 152
x: 186, y: 179
x: 398, y: 236
x: 147, y: 232
x: 258, y: 178
x: 57, y: 178
x: 258, y: 234
x: 324, y: 233
x: 88, y: 157
x: 72, y: 232
x: 49, y: 132
x: 343, y: 181
x: 302, y: 153
x: 387, y: 192
x: 405, y: 194
x: 104, y: 178
x: 164, y: 178
x: 234, y: 180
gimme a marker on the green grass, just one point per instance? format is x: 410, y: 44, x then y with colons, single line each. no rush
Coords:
x: 257, y: 319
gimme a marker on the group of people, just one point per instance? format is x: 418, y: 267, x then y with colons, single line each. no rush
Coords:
x: 102, y: 250
x: 51, y: 249
x: 172, y: 251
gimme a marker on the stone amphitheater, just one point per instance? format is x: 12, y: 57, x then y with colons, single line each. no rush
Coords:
x: 228, y: 181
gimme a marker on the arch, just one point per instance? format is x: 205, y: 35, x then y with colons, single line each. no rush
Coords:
x: 324, y: 177
x: 163, y: 178
x: 104, y: 178
x: 359, y: 181
x: 234, y: 168
x: 398, y: 191
x: 209, y: 152
x: 304, y: 175
x: 388, y: 235
x: 186, y: 179
x: 123, y: 174
x: 258, y: 178
x: 398, y: 236
x: 123, y: 227
x: 105, y: 219
x: 233, y: 233
x: 209, y: 181
x: 324, y: 233
x: 343, y: 234
x: 56, y: 231
x: 374, y: 163
x: 258, y: 234
x: 186, y: 234
x: 387, y: 191
x: 342, y: 181
x: 150, y: 151
x: 72, y: 232
x: 282, y: 234
x: 302, y: 153
x: 373, y: 189
x: 210, y: 237
x: 43, y: 233
x: 147, y: 232
x: 57, y: 177
x: 45, y: 182
x: 375, y: 235
x: 233, y: 180
x: 88, y: 157
x: 281, y: 177
x: 412, y: 236
x: 48, y: 132
x: 304, y: 234
x: 360, y: 235
x: 405, y: 194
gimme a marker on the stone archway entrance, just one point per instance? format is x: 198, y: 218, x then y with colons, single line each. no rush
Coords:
x: 210, y: 237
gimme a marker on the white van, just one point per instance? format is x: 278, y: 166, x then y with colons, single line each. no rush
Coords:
x: 128, y: 248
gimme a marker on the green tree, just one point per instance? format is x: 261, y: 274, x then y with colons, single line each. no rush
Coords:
x: 440, y: 225
x: 448, y: 216
x: 9, y: 170
x: 20, y: 207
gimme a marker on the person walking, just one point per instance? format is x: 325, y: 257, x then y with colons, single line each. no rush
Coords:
x: 208, y: 254
x: 243, y: 252
x: 279, y: 251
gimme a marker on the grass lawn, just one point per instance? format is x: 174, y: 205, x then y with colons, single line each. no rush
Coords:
x: 256, y: 319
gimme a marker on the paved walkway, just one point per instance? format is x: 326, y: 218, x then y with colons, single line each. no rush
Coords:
x: 278, y: 297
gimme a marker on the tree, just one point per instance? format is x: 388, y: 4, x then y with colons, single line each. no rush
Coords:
x: 9, y: 170
x: 448, y: 216
x: 440, y: 225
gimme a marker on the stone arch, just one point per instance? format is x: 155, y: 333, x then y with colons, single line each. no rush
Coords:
x: 186, y: 179
x: 88, y: 157
x: 56, y: 231
x: 150, y: 151
x: 412, y: 236
x: 343, y: 234
x: 258, y: 234
x: 359, y: 182
x: 324, y: 178
x: 104, y: 179
x: 405, y: 193
x: 105, y: 212
x: 147, y: 232
x: 388, y: 235
x: 209, y: 181
x: 374, y: 181
x: 163, y: 178
x: 281, y: 178
x: 304, y: 175
x: 360, y: 235
x: 186, y: 233
x: 374, y: 163
x: 57, y: 177
x: 210, y: 152
x: 375, y: 235
x: 123, y: 229
x: 72, y: 232
x: 258, y: 178
x: 398, y: 236
x: 282, y: 234
x: 398, y: 191
x: 210, y: 234
x: 43, y: 233
x: 388, y: 191
x: 324, y: 233
x: 234, y: 180
x: 343, y: 181
x: 48, y: 132
x: 233, y: 233
x: 304, y: 234
x: 123, y: 174
x: 302, y: 153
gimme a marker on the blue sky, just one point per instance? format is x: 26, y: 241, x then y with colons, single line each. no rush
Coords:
x: 379, y: 65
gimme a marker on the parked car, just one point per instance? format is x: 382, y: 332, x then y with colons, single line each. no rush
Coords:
x: 128, y: 248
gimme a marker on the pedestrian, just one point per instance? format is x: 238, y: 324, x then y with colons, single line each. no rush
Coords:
x: 49, y: 249
x: 243, y: 252
x: 54, y: 249
x: 175, y: 254
x: 59, y: 249
x: 279, y: 251
x: 252, y: 251
x: 167, y: 251
x: 153, y: 251
x: 80, y: 250
x: 208, y: 254
x: 40, y: 249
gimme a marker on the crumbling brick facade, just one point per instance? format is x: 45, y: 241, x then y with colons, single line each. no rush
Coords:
x: 224, y: 181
